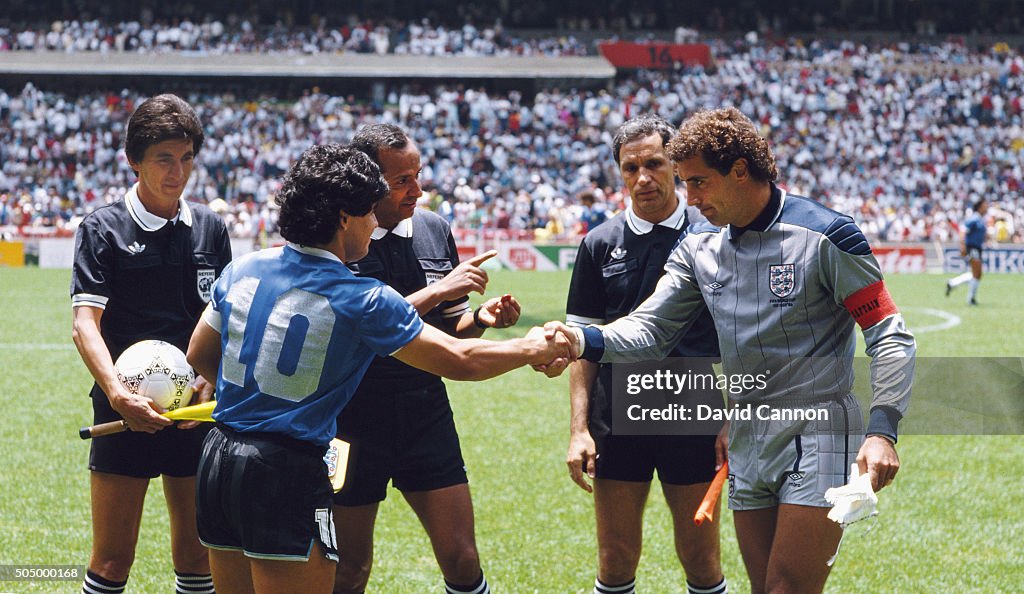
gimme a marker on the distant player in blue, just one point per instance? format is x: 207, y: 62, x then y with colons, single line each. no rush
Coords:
x: 593, y: 213
x: 288, y: 334
x: 970, y: 248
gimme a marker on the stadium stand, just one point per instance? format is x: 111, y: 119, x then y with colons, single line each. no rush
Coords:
x: 214, y: 38
x: 901, y: 134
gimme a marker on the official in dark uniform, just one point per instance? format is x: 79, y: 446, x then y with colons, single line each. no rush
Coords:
x: 617, y: 267
x: 144, y: 268
x: 399, y: 423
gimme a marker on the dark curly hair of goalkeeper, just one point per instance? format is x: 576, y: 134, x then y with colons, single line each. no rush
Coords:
x: 326, y: 181
x: 721, y: 137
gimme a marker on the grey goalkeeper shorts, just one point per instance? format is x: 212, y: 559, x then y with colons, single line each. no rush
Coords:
x: 793, y: 460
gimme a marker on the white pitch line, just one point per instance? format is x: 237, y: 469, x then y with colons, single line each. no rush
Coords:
x: 951, y: 320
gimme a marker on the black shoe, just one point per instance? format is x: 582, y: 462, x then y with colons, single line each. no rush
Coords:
x: 972, y: 302
x: 949, y: 288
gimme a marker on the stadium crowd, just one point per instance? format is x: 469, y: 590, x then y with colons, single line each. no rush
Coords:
x: 903, y: 149
x: 239, y: 35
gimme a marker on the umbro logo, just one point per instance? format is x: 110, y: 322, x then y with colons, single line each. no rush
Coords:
x: 715, y: 286
x: 618, y: 253
x: 136, y: 248
x: 795, y: 478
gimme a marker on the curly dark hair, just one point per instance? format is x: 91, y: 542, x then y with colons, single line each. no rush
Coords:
x: 722, y: 136
x: 326, y: 180
x: 641, y: 127
x: 160, y: 118
x: 372, y: 138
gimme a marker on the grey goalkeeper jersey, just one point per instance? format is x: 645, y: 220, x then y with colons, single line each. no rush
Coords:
x: 784, y: 294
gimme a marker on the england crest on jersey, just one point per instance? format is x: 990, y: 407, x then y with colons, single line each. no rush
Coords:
x: 204, y: 283
x: 782, y: 279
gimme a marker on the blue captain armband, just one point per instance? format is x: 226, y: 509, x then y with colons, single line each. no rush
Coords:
x: 593, y: 344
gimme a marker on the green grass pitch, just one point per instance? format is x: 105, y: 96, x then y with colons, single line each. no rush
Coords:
x: 952, y: 522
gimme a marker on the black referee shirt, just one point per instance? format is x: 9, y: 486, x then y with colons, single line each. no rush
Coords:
x: 152, y: 277
x: 617, y: 267
x: 417, y: 252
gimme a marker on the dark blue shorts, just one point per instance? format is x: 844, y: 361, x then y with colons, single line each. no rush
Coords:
x: 264, y: 494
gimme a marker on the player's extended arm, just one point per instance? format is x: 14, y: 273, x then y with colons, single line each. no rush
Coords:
x: 654, y: 328
x: 582, y: 454
x: 476, y: 359
x: 140, y: 413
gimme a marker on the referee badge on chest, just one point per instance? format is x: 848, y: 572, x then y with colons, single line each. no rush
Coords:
x: 204, y: 282
x: 782, y: 279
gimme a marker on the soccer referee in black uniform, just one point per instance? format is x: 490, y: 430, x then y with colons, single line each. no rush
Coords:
x: 617, y: 267
x: 399, y: 423
x: 144, y: 268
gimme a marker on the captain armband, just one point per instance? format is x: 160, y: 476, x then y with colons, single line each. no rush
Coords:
x: 871, y: 305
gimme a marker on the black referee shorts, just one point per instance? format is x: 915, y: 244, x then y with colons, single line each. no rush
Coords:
x: 170, y: 451
x: 679, y: 459
x: 265, y: 494
x: 407, y: 436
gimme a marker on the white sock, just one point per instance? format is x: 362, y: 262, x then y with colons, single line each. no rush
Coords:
x: 959, y: 280
x: 972, y: 289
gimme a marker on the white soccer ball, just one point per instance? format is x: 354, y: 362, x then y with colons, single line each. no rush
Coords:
x: 157, y: 370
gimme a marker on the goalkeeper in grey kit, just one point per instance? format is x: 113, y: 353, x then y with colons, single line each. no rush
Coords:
x: 785, y: 280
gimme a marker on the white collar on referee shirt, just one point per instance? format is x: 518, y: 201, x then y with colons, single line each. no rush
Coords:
x: 642, y: 227
x: 149, y: 221
x: 402, y: 229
